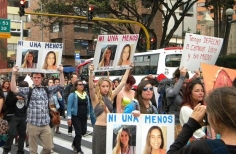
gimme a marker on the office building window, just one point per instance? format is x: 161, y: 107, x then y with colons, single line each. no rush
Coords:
x: 17, y: 17
x: 81, y: 44
x: 80, y: 27
x: 15, y: 32
x: 56, y: 27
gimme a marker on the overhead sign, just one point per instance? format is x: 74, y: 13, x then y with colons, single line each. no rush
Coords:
x: 5, y: 28
x: 200, y: 49
x: 42, y: 57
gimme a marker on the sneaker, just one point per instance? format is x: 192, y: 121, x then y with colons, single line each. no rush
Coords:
x: 87, y: 134
x: 69, y: 134
x: 74, y: 149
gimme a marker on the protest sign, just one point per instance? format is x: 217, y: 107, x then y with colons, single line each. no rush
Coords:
x: 199, y: 48
x: 43, y: 57
x: 139, y: 129
x: 114, y: 52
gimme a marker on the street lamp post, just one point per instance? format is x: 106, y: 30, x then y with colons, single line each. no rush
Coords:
x: 229, y: 14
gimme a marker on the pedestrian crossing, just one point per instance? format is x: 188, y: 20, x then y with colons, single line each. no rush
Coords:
x: 62, y: 142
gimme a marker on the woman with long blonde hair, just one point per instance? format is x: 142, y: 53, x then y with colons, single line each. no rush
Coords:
x: 123, y: 142
x: 102, y: 98
x: 106, y: 58
x: 29, y: 60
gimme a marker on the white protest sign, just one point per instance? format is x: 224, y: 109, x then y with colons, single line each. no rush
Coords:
x: 43, y: 57
x: 114, y: 52
x: 29, y: 80
x: 139, y: 129
x: 200, y: 49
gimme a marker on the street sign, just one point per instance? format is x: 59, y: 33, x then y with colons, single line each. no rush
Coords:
x: 5, y: 28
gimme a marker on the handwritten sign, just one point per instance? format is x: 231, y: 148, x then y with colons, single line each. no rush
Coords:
x: 42, y: 57
x: 114, y: 52
x: 139, y: 129
x: 200, y: 49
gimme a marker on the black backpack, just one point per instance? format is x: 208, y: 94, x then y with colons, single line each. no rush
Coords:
x: 163, y: 107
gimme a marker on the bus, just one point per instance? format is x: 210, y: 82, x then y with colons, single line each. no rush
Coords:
x: 162, y: 61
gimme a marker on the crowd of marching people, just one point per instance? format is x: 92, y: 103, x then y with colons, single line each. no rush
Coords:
x: 32, y: 111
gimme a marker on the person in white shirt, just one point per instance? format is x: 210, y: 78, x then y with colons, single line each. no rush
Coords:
x: 194, y: 94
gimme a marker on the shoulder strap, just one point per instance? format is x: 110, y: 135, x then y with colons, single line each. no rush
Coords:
x: 46, y: 89
x: 217, y: 146
x: 29, y: 96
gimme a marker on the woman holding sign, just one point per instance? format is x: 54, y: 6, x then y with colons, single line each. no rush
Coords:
x: 154, y: 141
x: 50, y: 61
x: 125, y: 56
x: 123, y: 142
x: 102, y: 98
x: 106, y: 58
x: 29, y: 60
x: 142, y: 103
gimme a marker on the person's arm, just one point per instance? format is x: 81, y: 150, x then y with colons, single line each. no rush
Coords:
x: 1, y: 104
x: 62, y: 79
x: 121, y: 85
x: 186, y: 114
x: 92, y: 93
x: 179, y: 146
x: 118, y: 102
x: 13, y: 80
x: 69, y: 105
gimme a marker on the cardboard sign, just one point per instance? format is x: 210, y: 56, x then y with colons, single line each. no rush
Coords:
x: 43, y: 57
x: 114, y: 52
x: 200, y: 49
x: 139, y: 131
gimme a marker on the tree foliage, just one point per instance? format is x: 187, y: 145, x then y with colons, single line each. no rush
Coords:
x: 120, y: 9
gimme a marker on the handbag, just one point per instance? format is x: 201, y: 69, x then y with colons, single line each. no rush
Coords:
x: 55, y: 118
x: 3, y: 126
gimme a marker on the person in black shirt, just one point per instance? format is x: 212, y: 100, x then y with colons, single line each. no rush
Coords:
x: 15, y: 114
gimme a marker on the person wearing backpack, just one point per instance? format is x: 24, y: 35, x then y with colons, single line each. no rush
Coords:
x: 142, y: 103
x: 220, y: 109
x: 38, y: 116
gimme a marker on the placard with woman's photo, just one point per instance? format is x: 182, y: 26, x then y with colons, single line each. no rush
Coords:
x: 42, y: 57
x: 148, y: 133
x: 114, y: 52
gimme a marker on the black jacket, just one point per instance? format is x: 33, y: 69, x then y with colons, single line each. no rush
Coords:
x: 67, y: 91
x: 9, y: 105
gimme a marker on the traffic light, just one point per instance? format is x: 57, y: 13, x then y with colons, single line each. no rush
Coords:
x: 153, y: 43
x: 22, y: 8
x: 90, y: 14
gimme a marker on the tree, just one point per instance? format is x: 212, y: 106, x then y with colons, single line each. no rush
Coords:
x: 219, y: 7
x: 121, y: 9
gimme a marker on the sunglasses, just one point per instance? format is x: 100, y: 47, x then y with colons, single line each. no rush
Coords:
x: 80, y: 84
x: 147, y: 88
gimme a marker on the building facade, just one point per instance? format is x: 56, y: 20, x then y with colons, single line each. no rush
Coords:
x: 3, y: 41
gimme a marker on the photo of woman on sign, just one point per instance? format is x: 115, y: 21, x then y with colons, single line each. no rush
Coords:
x: 50, y: 61
x: 154, y: 141
x: 125, y: 55
x: 123, y: 142
x: 28, y: 61
x: 106, y: 58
